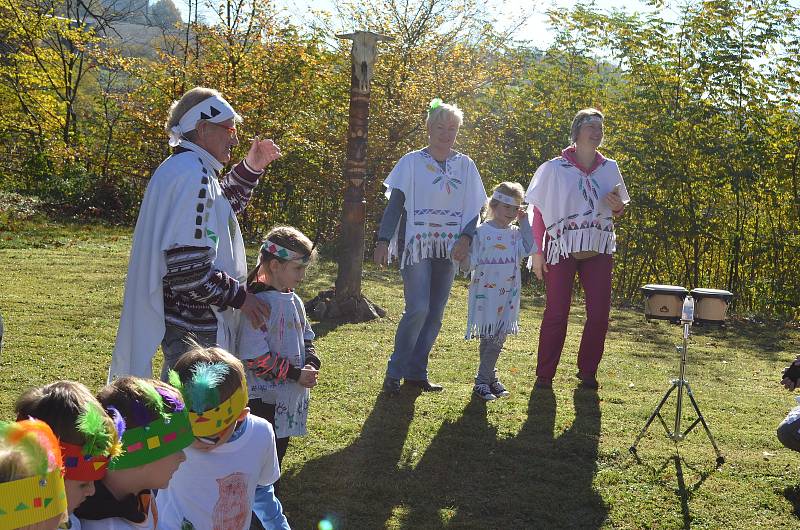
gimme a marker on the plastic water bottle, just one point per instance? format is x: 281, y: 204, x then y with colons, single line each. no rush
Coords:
x: 687, y: 313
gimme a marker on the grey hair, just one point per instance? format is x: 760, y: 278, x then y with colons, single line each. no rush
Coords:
x: 444, y: 112
x: 579, y: 120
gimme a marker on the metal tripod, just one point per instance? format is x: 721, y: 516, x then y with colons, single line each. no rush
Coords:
x: 678, y: 435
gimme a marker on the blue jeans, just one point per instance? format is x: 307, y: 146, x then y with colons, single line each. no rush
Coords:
x: 268, y: 509
x: 426, y: 288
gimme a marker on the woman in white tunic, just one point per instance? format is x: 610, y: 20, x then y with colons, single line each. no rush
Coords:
x: 187, y: 266
x: 435, y: 195
x: 575, y: 198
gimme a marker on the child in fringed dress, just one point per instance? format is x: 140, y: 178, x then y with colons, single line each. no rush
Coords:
x: 281, y: 362
x: 494, y: 293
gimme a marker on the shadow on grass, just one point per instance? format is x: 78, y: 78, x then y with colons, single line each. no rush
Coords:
x: 467, y: 476
x: 792, y: 494
x: 359, y: 486
x: 766, y: 340
x: 685, y: 494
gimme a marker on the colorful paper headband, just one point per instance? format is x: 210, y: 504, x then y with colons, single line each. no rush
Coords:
x: 40, y: 497
x: 505, y: 199
x: 90, y: 461
x: 283, y: 252
x: 434, y: 104
x: 206, y: 414
x: 158, y: 438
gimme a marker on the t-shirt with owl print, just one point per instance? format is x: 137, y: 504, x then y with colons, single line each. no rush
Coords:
x: 215, y: 490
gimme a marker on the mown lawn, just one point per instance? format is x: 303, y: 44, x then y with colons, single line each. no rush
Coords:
x: 534, y: 460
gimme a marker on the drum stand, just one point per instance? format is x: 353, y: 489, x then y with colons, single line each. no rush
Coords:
x: 677, y: 435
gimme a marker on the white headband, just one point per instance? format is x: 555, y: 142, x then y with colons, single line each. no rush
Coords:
x: 589, y: 119
x: 282, y: 252
x: 214, y: 109
x: 505, y: 199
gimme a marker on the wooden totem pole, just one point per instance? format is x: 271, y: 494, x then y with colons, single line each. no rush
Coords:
x: 347, y: 303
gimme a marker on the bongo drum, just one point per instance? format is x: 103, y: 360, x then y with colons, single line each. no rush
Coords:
x: 663, y: 302
x: 711, y: 305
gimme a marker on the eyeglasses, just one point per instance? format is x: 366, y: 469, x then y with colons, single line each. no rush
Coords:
x: 231, y: 130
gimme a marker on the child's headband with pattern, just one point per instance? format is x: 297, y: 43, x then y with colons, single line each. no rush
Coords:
x: 168, y: 433
x: 90, y: 461
x: 207, y: 415
x: 283, y: 253
x: 40, y: 497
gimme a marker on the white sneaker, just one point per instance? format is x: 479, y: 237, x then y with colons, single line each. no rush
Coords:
x: 483, y: 392
x: 499, y: 390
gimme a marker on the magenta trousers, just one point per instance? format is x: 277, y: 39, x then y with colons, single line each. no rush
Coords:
x: 595, y: 277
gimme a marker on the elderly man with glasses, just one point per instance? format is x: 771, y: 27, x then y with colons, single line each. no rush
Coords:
x: 185, y: 282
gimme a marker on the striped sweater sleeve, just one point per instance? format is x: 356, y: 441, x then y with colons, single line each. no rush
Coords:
x: 238, y: 185
x: 190, y: 274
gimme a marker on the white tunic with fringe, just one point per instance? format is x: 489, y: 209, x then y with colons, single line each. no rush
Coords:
x: 575, y: 214
x: 438, y: 203
x: 494, y: 291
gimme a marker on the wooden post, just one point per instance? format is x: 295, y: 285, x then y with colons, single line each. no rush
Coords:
x: 347, y: 303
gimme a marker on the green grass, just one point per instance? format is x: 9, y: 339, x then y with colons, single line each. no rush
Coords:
x: 534, y: 460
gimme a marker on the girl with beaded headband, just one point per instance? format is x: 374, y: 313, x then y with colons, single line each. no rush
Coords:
x: 32, y: 493
x: 282, y: 364
x: 87, y: 435
x: 494, y: 292
x: 156, y: 430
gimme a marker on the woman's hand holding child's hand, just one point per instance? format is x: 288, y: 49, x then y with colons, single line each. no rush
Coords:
x: 381, y: 256
x: 308, y: 376
x: 539, y: 266
x: 461, y: 249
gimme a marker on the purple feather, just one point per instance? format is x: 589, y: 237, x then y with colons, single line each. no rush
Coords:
x: 175, y: 404
x: 118, y: 420
x: 140, y: 414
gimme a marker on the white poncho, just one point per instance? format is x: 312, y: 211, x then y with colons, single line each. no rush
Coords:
x: 494, y: 291
x: 285, y: 335
x: 575, y: 213
x: 438, y: 203
x: 182, y: 206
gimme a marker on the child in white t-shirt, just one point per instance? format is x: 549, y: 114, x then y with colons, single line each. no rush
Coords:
x: 494, y: 293
x: 233, y: 451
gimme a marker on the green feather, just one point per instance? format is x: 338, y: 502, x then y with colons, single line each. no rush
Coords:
x: 202, y: 389
x: 94, y: 427
x: 152, y: 397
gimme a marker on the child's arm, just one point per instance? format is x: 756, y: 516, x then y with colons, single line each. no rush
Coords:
x: 527, y: 236
x: 271, y: 365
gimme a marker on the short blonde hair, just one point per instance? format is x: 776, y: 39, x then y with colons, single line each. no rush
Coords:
x: 444, y: 112
x: 512, y: 189
x: 14, y: 464
x: 578, y: 121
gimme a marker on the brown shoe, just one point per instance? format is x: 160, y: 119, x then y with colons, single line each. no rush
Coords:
x: 544, y: 383
x: 425, y: 385
x: 588, y: 381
